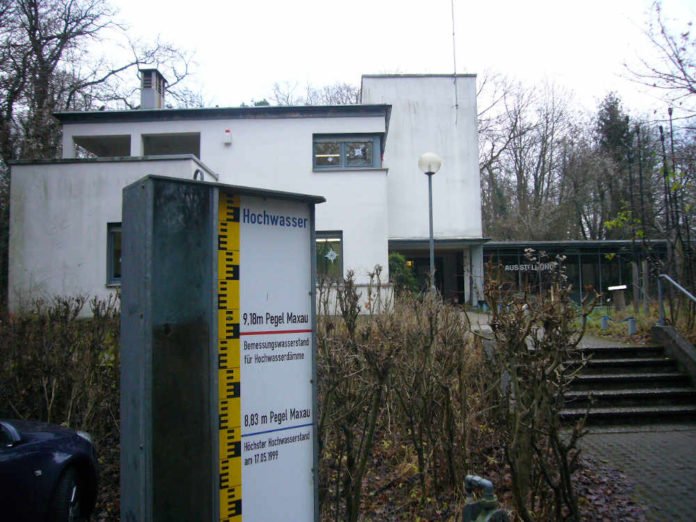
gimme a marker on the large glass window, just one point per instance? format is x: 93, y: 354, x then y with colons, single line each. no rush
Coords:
x: 329, y: 255
x: 113, y: 254
x: 347, y: 151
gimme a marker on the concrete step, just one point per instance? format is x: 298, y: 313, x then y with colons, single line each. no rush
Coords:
x: 630, y: 365
x: 632, y: 414
x: 629, y: 385
x: 622, y: 380
x: 606, y: 352
x: 666, y: 396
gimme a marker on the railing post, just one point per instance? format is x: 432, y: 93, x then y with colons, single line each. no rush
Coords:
x: 632, y: 326
x: 660, y: 300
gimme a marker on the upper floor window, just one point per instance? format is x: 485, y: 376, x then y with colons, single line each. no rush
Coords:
x: 102, y: 146
x: 347, y: 151
x: 168, y: 144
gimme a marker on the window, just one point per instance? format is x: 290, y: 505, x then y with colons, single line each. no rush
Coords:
x: 113, y: 254
x: 102, y: 146
x: 168, y: 144
x: 349, y: 151
x: 329, y: 255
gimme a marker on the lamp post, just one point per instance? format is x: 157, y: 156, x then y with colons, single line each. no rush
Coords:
x: 430, y: 163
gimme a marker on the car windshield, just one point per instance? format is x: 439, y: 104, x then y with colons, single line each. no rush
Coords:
x: 6, y: 436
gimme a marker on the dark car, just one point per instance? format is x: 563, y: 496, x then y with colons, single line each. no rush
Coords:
x: 47, y: 472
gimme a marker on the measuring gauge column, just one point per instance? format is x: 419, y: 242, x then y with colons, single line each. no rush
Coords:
x: 229, y: 362
x: 218, y: 403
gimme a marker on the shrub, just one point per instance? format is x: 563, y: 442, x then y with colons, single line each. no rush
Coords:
x: 401, y: 275
x: 58, y: 367
x: 409, y: 376
x: 410, y: 399
x: 536, y: 334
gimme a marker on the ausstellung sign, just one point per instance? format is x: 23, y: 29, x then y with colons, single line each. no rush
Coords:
x: 218, y: 415
x: 531, y: 267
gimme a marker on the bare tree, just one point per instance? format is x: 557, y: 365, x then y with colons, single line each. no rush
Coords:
x: 494, y: 138
x: 285, y: 93
x: 548, y: 172
x: 674, y: 70
x: 51, y: 60
x: 47, y: 65
x: 520, y: 135
x: 582, y: 187
x: 340, y: 93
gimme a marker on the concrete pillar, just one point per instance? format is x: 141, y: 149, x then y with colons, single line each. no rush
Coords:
x: 68, y: 146
x: 136, y: 146
x: 474, y: 286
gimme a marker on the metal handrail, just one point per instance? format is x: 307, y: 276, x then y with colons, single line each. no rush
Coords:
x: 660, y: 295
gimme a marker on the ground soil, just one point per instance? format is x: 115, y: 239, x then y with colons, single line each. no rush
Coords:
x: 390, y: 494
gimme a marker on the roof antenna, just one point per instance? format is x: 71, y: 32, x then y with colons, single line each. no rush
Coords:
x: 454, y: 58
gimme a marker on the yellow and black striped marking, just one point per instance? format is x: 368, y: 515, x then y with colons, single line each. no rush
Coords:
x: 229, y: 363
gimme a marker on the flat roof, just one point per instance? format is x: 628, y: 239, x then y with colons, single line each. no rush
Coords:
x: 226, y: 113
x: 242, y: 190
x: 444, y: 75
x: 578, y: 244
x: 110, y: 159
x: 116, y: 159
x: 573, y: 242
x: 440, y: 244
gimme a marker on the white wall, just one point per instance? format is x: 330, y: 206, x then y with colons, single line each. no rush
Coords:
x: 271, y: 153
x: 369, y: 206
x: 276, y: 154
x: 58, y: 223
x: 429, y: 115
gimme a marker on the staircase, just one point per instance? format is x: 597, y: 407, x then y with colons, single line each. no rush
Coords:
x: 630, y: 385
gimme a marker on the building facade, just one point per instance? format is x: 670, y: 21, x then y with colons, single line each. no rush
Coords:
x: 591, y: 267
x: 434, y: 114
x: 66, y: 214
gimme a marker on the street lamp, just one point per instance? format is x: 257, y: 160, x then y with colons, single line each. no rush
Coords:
x: 430, y: 163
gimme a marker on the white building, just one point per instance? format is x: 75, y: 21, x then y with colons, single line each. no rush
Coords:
x: 65, y: 214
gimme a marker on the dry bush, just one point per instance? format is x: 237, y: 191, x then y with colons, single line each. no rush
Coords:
x: 410, y: 401
x: 536, y: 335
x: 354, y: 362
x: 407, y: 378
x: 439, y: 388
x: 58, y: 367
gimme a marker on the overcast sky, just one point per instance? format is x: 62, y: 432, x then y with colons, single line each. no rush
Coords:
x: 242, y: 48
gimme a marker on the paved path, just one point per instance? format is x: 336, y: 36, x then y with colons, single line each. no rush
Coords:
x: 659, y: 461
x: 479, y: 323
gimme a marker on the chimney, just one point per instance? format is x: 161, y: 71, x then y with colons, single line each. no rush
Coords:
x: 152, y: 87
